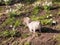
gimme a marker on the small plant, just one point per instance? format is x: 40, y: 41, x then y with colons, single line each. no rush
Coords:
x: 12, y: 13
x: 47, y: 5
x: 13, y: 33
x: 27, y: 43
x: 59, y: 13
x: 7, y: 2
x: 47, y: 8
x: 1, y: 2
x: 6, y: 33
x: 34, y: 18
x: 46, y: 22
x: 25, y: 35
x: 9, y: 21
x: 36, y: 10
x: 17, y: 23
x: 19, y: 6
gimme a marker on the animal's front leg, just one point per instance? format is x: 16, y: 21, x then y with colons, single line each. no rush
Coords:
x: 40, y: 30
x: 30, y: 30
x: 33, y: 30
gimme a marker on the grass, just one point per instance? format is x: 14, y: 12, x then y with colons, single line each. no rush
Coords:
x: 17, y: 23
x: 57, y: 38
x: 27, y: 43
x: 15, y: 43
x: 8, y: 40
x: 12, y: 13
x: 1, y: 9
x: 11, y: 33
x: 6, y: 2
x: 36, y: 10
x: 34, y: 18
x: 9, y: 21
x: 47, y: 8
x: 43, y: 19
x: 56, y: 0
x: 24, y: 35
x: 58, y: 13
x: 46, y: 22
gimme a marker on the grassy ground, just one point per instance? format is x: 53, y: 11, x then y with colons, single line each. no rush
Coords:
x: 13, y: 32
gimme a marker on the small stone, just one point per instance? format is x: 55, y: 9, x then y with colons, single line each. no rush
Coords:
x: 47, y: 16
x: 51, y: 19
x: 54, y: 22
x: 50, y: 15
x: 11, y: 26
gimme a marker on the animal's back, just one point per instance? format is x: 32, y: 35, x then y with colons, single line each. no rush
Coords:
x: 34, y: 24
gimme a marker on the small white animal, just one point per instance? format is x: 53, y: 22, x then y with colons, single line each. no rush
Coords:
x: 32, y: 25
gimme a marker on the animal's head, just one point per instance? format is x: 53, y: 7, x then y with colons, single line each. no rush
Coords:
x: 26, y: 20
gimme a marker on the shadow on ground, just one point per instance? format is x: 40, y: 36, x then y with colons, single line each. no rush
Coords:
x: 49, y: 30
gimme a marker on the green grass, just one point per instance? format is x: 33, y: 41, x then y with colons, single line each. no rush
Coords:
x: 43, y: 19
x: 7, y: 2
x: 17, y: 23
x: 9, y: 21
x: 36, y: 10
x: 46, y: 22
x: 47, y: 8
x: 11, y: 33
x: 27, y: 43
x: 24, y: 35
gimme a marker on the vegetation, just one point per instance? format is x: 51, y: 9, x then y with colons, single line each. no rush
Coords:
x: 11, y: 21
x: 45, y: 19
x: 6, y: 2
x: 36, y: 10
x: 17, y: 23
x: 8, y: 21
x: 24, y: 35
x: 8, y: 33
x: 27, y: 43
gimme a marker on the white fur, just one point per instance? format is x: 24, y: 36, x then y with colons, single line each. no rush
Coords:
x: 33, y: 25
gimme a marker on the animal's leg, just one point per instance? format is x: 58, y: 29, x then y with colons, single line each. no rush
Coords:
x: 30, y: 30
x: 33, y: 30
x: 40, y: 28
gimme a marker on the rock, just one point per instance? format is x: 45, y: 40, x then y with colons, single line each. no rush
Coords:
x: 54, y: 22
